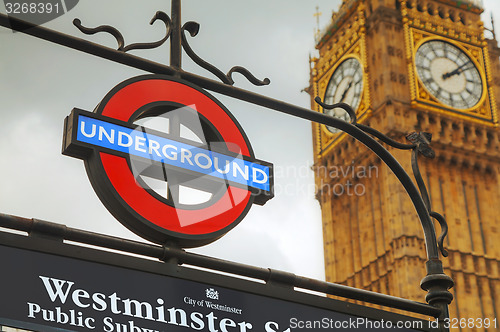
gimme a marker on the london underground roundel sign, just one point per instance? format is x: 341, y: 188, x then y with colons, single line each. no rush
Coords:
x: 168, y: 160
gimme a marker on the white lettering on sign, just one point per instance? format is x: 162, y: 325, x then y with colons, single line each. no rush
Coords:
x: 121, y: 135
x: 92, y: 134
x: 208, y: 161
x: 109, y: 136
x: 55, y: 289
x: 140, y: 144
x: 154, y: 146
x: 172, y: 155
x: 186, y: 156
x: 71, y: 317
x: 263, y: 175
x: 237, y: 169
x: 216, y: 165
x: 64, y: 292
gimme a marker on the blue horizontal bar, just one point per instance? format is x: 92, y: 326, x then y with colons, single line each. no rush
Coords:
x: 170, y: 152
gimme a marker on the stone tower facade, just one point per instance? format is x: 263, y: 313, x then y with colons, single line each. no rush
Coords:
x: 404, y: 66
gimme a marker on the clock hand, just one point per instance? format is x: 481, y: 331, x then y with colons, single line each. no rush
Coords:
x: 345, y: 91
x: 456, y: 71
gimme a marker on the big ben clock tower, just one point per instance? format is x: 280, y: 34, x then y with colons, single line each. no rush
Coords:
x: 404, y: 66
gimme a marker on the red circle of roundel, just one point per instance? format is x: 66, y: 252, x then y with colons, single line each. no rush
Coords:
x: 137, y: 208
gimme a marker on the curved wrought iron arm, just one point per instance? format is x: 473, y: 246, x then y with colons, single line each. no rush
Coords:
x: 384, y: 138
x: 398, y: 170
x: 366, y: 129
x: 422, y: 141
x: 119, y: 37
x: 420, y: 180
x: 419, y: 196
x: 193, y: 28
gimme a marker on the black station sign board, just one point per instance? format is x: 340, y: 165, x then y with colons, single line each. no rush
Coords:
x: 153, y: 144
x: 89, y: 290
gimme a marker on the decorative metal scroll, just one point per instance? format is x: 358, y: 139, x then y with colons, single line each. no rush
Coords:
x: 193, y: 28
x: 119, y: 37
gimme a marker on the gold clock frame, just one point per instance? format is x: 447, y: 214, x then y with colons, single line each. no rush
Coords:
x: 330, y: 73
x: 484, y: 111
x: 329, y: 139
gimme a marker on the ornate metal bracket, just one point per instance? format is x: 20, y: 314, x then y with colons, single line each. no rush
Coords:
x: 193, y: 28
x: 420, y: 145
x: 436, y: 283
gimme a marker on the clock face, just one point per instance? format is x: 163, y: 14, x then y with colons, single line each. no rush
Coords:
x: 345, y: 86
x: 449, y: 74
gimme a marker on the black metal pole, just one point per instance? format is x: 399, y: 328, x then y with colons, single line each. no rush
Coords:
x: 175, y: 37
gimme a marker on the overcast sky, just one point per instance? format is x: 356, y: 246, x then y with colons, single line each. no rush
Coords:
x: 40, y: 83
